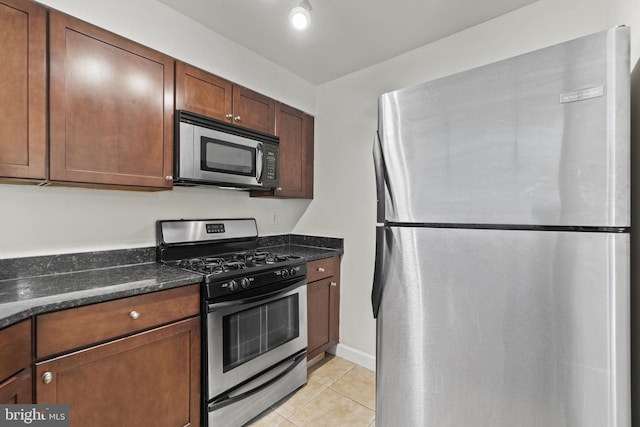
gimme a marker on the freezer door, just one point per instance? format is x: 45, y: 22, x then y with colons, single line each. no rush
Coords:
x: 539, y: 139
x: 492, y: 328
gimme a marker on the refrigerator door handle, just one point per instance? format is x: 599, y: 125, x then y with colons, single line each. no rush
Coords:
x: 376, y: 291
x: 381, y: 178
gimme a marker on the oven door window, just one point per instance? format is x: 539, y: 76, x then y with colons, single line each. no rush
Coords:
x: 250, y: 333
x: 227, y: 157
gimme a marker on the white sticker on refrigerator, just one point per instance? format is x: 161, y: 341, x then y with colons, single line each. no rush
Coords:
x: 582, y: 94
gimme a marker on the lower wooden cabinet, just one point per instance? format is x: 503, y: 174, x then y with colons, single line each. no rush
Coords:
x: 15, y: 363
x: 17, y: 389
x: 323, y: 305
x: 147, y: 379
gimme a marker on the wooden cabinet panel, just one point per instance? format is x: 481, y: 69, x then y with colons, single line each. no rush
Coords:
x: 17, y: 389
x: 253, y: 110
x: 322, y: 268
x: 15, y: 348
x: 295, y: 130
x: 318, y: 299
x: 148, y: 379
x: 209, y: 95
x: 323, y: 305
x: 111, y: 107
x: 66, y: 330
x: 203, y: 93
x: 23, y: 99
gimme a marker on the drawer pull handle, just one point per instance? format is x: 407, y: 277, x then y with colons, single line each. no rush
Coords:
x: 47, y: 377
x: 334, y: 284
x: 321, y: 269
x: 134, y: 315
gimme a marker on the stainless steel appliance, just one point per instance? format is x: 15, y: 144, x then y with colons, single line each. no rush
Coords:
x: 501, y: 286
x: 255, y: 315
x: 211, y: 152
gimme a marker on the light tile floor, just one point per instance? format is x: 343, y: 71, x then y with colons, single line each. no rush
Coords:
x: 337, y: 393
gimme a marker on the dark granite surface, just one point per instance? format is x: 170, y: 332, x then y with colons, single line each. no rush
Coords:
x: 65, y: 263
x: 23, y: 297
x: 42, y: 284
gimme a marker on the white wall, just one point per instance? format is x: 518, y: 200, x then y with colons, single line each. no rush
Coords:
x: 346, y: 120
x: 50, y: 220
x: 40, y: 221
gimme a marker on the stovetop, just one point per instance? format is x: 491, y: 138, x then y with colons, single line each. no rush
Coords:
x: 238, y: 275
x: 235, y: 262
x: 224, y: 251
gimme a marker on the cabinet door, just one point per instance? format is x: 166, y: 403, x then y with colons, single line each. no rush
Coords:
x: 253, y: 110
x: 148, y: 379
x: 295, y: 130
x: 23, y: 93
x: 203, y: 93
x: 318, y: 303
x: 111, y: 108
x: 17, y: 389
x: 15, y: 348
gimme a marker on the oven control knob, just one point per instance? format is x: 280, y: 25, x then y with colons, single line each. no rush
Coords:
x: 244, y: 283
x: 232, y: 285
x: 284, y: 273
x: 292, y: 271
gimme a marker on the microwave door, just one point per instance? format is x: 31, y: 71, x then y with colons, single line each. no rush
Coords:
x: 224, y: 159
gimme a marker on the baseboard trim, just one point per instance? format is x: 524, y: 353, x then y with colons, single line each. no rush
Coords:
x: 353, y: 355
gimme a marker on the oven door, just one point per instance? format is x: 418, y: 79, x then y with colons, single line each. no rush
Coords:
x: 247, y: 337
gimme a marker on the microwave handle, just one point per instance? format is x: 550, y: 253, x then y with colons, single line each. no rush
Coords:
x: 260, y: 162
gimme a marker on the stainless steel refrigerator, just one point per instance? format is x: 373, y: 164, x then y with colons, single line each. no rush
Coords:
x: 501, y: 286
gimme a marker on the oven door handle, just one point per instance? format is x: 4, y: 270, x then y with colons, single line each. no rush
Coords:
x: 230, y: 398
x: 291, y: 285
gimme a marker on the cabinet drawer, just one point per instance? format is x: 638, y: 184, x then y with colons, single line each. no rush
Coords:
x: 15, y: 348
x: 79, y: 327
x: 322, y: 268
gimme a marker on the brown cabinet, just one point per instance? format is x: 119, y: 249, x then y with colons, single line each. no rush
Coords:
x: 295, y: 130
x: 15, y: 363
x: 323, y: 305
x: 23, y: 108
x: 111, y: 108
x: 151, y: 377
x: 209, y: 95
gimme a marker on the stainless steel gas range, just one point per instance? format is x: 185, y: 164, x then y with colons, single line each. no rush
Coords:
x: 254, y: 315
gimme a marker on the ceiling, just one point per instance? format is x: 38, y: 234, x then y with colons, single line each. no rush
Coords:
x: 344, y: 35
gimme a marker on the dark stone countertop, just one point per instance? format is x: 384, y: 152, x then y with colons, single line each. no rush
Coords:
x: 74, y: 280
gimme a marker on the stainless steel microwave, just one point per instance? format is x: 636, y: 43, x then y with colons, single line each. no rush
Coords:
x: 211, y: 152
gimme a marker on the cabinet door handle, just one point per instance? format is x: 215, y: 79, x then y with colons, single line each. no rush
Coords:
x: 169, y: 178
x: 134, y: 315
x: 334, y: 284
x: 321, y: 269
x: 47, y: 377
x: 229, y: 116
x: 237, y: 118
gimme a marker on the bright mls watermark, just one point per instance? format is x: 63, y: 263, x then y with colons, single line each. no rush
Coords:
x: 34, y: 415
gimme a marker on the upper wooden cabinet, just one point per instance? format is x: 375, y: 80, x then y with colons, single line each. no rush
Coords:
x: 23, y: 99
x: 111, y: 108
x: 204, y: 93
x: 253, y: 110
x: 295, y: 130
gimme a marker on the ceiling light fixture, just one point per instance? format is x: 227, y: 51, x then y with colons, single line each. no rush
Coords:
x: 299, y: 15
